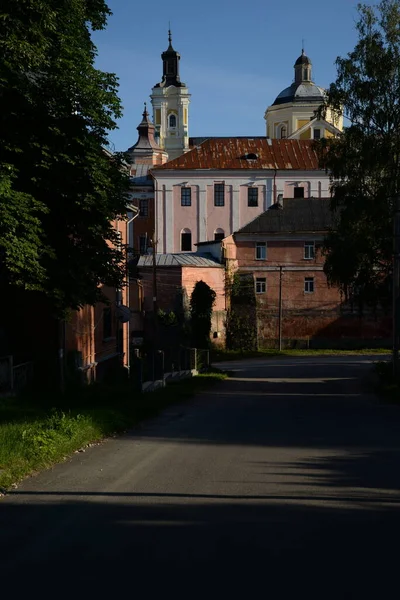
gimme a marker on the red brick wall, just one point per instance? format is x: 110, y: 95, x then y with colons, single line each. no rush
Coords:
x: 212, y: 276
x: 169, y: 282
x: 321, y: 314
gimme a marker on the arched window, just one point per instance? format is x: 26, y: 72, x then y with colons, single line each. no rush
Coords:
x: 219, y: 234
x: 172, y: 120
x: 281, y: 131
x: 186, y: 240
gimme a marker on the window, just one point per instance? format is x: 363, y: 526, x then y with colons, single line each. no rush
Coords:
x: 317, y: 134
x: 107, y: 323
x: 283, y: 133
x: 143, y: 207
x: 186, y: 196
x: 298, y: 192
x: 261, y: 250
x: 142, y: 244
x: 252, y: 196
x: 219, y: 194
x: 186, y: 240
x: 261, y: 285
x: 309, y: 250
x: 219, y: 234
x: 309, y: 285
x: 172, y: 120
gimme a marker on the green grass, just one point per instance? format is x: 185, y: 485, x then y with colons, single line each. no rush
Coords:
x: 227, y: 355
x: 34, y: 435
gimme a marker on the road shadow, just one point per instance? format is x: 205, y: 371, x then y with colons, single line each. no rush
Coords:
x: 162, y: 538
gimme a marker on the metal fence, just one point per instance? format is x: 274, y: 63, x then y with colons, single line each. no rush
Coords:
x: 161, y: 364
x: 14, y: 378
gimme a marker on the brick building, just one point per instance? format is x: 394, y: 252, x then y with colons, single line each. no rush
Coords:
x: 281, y: 249
x: 176, y: 277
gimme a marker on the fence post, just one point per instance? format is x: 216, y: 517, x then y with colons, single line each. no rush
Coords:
x: 11, y: 363
x: 195, y: 359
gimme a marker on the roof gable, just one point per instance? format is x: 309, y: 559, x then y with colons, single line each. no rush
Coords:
x: 321, y: 123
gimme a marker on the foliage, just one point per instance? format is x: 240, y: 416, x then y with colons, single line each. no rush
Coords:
x: 59, y: 188
x: 201, y: 305
x: 241, y: 321
x: 364, y: 161
x: 167, y: 318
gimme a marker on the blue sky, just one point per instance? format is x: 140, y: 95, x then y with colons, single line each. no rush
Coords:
x: 235, y: 56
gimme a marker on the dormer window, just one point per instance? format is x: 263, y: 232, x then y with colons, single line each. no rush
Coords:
x: 172, y: 121
x: 317, y: 134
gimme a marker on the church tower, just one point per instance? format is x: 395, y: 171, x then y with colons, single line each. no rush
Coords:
x: 293, y: 115
x: 170, y: 99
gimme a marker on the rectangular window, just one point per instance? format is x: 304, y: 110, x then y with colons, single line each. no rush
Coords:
x: 252, y: 196
x: 142, y: 244
x: 309, y: 250
x: 298, y: 192
x: 143, y: 207
x: 309, y: 285
x: 261, y: 285
x: 107, y: 323
x: 261, y: 250
x: 219, y: 194
x: 186, y: 196
x: 317, y: 134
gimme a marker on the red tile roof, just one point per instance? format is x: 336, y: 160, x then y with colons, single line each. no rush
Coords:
x: 230, y: 153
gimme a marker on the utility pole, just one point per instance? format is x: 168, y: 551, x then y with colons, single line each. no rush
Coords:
x: 396, y: 285
x: 155, y: 304
x: 280, y: 308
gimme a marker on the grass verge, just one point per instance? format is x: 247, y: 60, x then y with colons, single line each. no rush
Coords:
x: 228, y: 355
x: 40, y: 430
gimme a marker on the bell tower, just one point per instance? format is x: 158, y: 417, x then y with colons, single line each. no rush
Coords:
x: 170, y: 99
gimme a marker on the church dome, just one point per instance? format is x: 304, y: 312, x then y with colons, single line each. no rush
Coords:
x: 303, y: 92
x: 302, y: 60
x: 303, y: 89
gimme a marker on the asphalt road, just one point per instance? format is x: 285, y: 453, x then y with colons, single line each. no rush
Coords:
x: 287, y: 475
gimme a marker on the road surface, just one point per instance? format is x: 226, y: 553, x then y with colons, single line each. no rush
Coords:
x: 286, y: 472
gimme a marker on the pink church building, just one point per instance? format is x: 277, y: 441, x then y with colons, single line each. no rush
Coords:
x: 222, y: 184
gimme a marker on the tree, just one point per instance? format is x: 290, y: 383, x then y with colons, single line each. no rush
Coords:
x: 60, y: 189
x: 241, y: 322
x: 202, y: 301
x: 364, y: 161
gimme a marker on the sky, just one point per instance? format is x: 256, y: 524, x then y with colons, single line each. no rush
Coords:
x: 236, y: 56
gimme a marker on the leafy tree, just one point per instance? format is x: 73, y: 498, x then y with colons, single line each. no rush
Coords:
x: 241, y: 322
x: 59, y: 188
x: 201, y: 305
x: 364, y: 161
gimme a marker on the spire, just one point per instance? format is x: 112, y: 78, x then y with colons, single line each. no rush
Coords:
x: 170, y: 60
x: 302, y: 68
x: 146, y: 131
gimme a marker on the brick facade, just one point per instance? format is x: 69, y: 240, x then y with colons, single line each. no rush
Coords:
x: 291, y: 262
